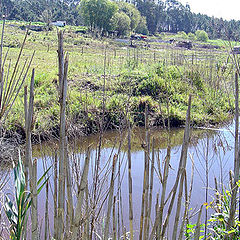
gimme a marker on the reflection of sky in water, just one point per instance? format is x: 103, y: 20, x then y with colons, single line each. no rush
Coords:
x: 220, y: 161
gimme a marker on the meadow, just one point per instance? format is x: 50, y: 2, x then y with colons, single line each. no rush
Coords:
x: 110, y: 73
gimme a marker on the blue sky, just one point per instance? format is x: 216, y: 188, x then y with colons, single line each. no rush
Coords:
x: 227, y: 9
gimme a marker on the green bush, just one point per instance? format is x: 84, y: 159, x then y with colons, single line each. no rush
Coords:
x: 151, y: 86
x: 182, y: 35
x: 191, y: 36
x: 201, y: 35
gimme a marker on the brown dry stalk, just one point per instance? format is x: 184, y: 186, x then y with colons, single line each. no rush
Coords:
x: 82, y: 187
x: 110, y: 198
x: 198, y: 226
x: 130, y: 182
x: 236, y: 157
x: 63, y: 68
x: 181, y: 168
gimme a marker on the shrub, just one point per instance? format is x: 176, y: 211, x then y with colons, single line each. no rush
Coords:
x: 191, y: 36
x: 151, y: 86
x: 182, y: 35
x: 201, y: 35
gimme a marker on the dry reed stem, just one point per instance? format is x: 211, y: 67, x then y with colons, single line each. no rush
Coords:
x: 181, y: 168
x: 69, y: 189
x: 143, y: 219
x: 114, y: 219
x: 185, y: 209
x: 80, y: 196
x: 86, y: 227
x: 110, y: 199
x: 198, y: 225
x: 55, y: 197
x: 63, y: 68
x: 130, y: 183
x: 150, y: 189
x: 236, y: 157
x: 28, y: 106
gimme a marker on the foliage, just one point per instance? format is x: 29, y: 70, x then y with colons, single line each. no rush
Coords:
x: 191, y: 36
x: 129, y: 71
x: 36, y: 10
x: 133, y: 14
x: 97, y: 14
x: 142, y: 26
x: 201, y: 35
x: 167, y: 16
x: 121, y: 23
x: 218, y: 221
x: 18, y: 215
x: 182, y: 35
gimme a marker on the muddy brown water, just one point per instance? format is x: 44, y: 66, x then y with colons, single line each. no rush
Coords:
x: 215, y: 145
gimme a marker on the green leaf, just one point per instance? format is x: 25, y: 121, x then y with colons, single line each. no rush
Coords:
x: 41, y: 178
x: 10, y: 211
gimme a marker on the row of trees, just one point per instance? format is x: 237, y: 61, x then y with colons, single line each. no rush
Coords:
x: 108, y: 16
x: 137, y: 15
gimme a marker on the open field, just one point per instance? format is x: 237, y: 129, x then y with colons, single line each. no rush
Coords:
x: 110, y: 76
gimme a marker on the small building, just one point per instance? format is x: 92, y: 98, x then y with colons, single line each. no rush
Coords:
x: 59, y: 23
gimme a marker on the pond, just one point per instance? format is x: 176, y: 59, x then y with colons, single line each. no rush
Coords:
x: 210, y: 155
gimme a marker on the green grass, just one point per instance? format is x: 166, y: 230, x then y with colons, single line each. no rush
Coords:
x: 134, y: 77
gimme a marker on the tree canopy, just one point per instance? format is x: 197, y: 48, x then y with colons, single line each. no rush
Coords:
x: 105, y: 15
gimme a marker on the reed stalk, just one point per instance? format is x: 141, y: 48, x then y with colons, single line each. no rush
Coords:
x: 63, y: 68
x: 207, y: 185
x: 236, y: 157
x: 86, y: 227
x: 150, y: 189
x: 34, y: 205
x: 114, y: 219
x: 80, y: 197
x: 55, y: 196
x: 130, y: 183
x: 110, y: 199
x: 181, y: 169
x: 28, y: 105
x: 198, y: 225
x: 69, y: 189
x: 144, y: 208
x: 187, y: 199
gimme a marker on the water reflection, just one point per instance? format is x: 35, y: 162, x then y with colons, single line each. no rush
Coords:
x: 210, y: 152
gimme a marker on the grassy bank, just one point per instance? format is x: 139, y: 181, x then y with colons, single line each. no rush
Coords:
x: 110, y: 78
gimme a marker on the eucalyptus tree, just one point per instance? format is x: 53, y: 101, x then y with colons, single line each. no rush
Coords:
x: 97, y: 14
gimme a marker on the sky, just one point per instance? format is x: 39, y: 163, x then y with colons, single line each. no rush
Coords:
x: 227, y: 9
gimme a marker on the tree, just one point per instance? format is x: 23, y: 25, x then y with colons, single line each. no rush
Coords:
x: 131, y: 11
x: 97, y: 14
x: 6, y: 8
x: 142, y: 26
x: 121, y: 23
x: 154, y: 13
